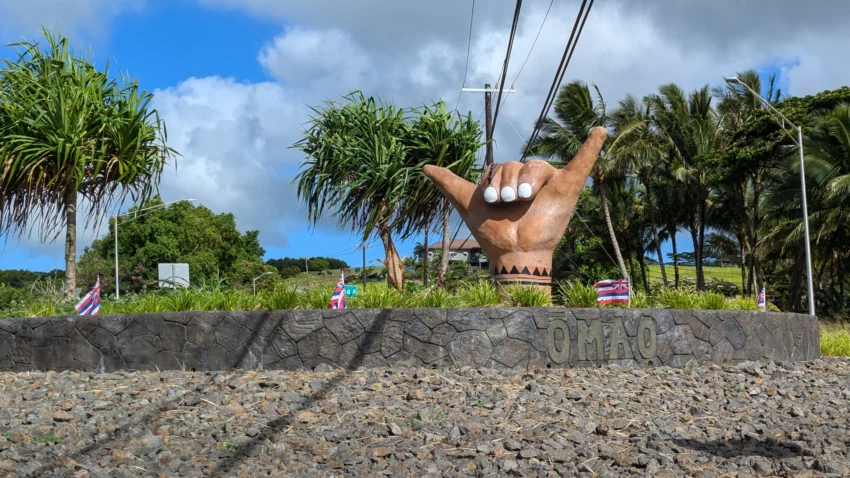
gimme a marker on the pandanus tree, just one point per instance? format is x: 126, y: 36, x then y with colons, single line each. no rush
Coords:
x: 364, y: 167
x: 440, y: 138
x: 69, y: 133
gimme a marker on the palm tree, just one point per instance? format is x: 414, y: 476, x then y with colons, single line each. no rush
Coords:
x: 69, y: 131
x: 637, y: 147
x: 747, y: 166
x: 691, y: 132
x: 576, y: 113
x: 364, y: 167
x: 438, y: 137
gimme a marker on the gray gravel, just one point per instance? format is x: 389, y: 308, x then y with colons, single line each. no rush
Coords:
x: 778, y: 419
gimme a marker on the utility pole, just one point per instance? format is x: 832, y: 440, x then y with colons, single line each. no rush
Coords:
x: 307, y: 268
x: 488, y: 117
x: 488, y: 124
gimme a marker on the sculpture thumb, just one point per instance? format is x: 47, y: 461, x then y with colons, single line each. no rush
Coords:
x: 573, y: 177
x: 458, y: 190
x: 583, y: 162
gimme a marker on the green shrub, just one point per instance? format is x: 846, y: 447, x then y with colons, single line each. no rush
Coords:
x: 743, y: 303
x: 577, y: 294
x: 479, y: 294
x: 433, y: 298
x: 376, y: 296
x: 315, y: 298
x: 527, y: 296
x: 712, y: 301
x: 677, y: 299
x: 642, y: 301
x: 282, y: 297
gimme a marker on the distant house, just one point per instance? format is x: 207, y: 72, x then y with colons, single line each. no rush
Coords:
x: 466, y: 250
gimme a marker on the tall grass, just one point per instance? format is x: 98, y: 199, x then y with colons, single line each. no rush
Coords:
x: 44, y: 299
x: 835, y: 340
x: 527, y: 296
x: 479, y: 294
x: 577, y: 294
x: 712, y: 301
x: 678, y: 299
x: 378, y: 296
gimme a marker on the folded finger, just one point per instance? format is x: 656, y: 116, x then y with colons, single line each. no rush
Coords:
x: 532, y: 176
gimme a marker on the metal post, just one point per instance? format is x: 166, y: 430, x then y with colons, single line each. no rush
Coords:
x: 488, y: 125
x: 116, y: 257
x: 806, y: 224
x: 782, y: 120
x: 307, y: 268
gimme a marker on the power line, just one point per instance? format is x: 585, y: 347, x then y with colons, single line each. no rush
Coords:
x: 532, y: 45
x: 559, y: 74
x: 530, y: 50
x: 504, y: 74
x: 468, y: 45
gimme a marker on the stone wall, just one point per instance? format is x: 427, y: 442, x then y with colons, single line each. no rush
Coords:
x: 506, y: 338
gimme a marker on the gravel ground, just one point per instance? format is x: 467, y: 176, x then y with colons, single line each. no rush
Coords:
x: 738, y: 420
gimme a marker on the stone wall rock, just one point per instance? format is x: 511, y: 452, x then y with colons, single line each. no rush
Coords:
x: 503, y: 338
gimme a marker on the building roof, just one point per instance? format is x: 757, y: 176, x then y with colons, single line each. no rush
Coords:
x: 457, y: 245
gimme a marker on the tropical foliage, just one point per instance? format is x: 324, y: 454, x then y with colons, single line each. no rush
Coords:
x: 713, y: 163
x: 364, y: 163
x: 70, y: 134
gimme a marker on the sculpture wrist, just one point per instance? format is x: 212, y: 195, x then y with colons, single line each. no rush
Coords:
x: 534, y: 267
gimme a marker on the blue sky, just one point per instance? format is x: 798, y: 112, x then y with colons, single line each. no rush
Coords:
x: 233, y: 79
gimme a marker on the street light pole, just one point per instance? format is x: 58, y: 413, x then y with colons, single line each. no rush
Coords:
x: 117, y: 292
x: 811, y: 288
x: 254, y: 281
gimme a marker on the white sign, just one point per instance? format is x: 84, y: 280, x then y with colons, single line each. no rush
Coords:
x: 173, y: 275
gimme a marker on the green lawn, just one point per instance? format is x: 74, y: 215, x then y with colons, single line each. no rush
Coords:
x: 689, y: 274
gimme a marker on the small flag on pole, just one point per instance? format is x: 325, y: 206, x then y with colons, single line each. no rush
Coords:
x: 338, y: 298
x: 90, y: 303
x: 761, y: 302
x: 612, y: 291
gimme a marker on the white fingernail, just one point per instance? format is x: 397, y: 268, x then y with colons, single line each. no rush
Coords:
x: 525, y: 190
x: 508, y: 194
x: 490, y: 194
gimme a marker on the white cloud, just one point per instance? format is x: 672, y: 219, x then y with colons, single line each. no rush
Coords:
x: 85, y: 20
x: 235, y: 137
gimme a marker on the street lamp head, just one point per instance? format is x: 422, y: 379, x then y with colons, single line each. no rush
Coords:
x: 734, y: 80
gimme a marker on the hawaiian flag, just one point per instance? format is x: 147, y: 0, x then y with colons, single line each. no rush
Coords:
x: 761, y: 302
x: 338, y: 297
x: 90, y: 303
x: 612, y: 291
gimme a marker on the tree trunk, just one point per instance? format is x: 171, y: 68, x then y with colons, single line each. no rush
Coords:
x: 425, y: 264
x: 699, y: 256
x: 642, y: 262
x: 632, y: 270
x: 798, y: 271
x: 622, y: 265
x: 754, y: 235
x: 694, y: 233
x: 673, y: 228
x: 743, y: 268
x: 392, y: 261
x: 444, y: 260
x: 842, y: 291
x: 654, y: 228
x: 70, y: 243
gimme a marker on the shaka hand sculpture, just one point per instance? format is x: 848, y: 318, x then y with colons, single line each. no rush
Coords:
x: 519, y: 211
